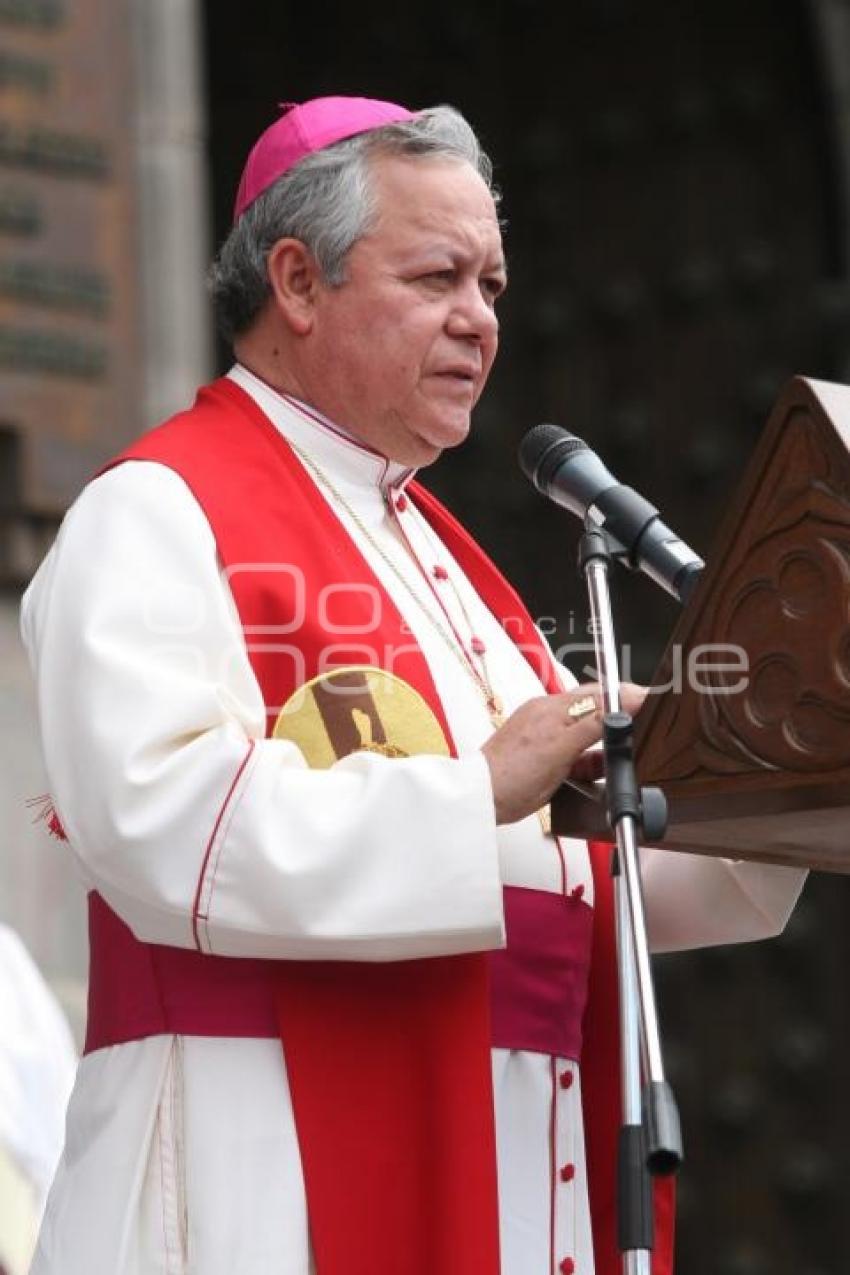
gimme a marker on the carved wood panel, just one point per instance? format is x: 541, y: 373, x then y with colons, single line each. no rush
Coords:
x: 766, y: 640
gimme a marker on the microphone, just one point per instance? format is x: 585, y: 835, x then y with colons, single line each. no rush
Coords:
x: 565, y: 469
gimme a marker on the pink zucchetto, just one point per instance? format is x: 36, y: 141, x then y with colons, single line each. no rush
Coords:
x: 304, y: 128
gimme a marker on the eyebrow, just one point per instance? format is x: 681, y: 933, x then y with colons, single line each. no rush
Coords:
x: 419, y: 258
x: 499, y: 263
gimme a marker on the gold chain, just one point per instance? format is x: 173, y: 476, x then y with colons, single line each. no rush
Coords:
x: 482, y: 681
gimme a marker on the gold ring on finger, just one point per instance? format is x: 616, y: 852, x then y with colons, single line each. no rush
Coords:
x: 581, y: 708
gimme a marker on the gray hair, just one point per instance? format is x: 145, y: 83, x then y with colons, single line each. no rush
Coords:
x: 326, y: 200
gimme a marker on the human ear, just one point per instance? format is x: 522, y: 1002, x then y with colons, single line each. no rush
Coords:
x: 294, y: 276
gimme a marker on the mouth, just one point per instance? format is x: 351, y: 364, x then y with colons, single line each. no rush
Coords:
x: 462, y: 377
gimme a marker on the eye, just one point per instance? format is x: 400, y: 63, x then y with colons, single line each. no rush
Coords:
x: 492, y: 286
x: 438, y: 278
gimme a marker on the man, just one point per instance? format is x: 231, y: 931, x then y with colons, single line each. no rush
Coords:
x: 273, y: 847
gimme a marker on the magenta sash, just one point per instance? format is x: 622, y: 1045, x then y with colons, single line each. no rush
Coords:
x: 538, y: 987
x: 538, y: 983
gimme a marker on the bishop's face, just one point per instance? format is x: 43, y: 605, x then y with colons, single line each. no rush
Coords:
x: 405, y: 345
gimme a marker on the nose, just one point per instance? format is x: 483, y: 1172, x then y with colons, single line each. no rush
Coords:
x: 472, y: 315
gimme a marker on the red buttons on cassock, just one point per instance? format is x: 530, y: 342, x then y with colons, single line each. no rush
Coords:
x: 566, y: 1079
x: 577, y: 893
x: 401, y: 503
x: 478, y: 646
x: 568, y: 1172
x: 567, y: 1266
x: 440, y: 573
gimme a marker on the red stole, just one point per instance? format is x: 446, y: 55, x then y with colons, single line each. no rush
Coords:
x: 388, y: 1064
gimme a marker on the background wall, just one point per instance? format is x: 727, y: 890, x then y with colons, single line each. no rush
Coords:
x: 103, y: 330
x: 675, y: 181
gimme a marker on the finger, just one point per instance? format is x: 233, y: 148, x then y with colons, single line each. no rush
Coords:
x: 583, y: 704
x: 583, y: 731
x: 588, y: 766
x: 632, y: 697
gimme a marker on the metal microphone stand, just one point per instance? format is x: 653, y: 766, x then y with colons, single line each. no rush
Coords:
x: 650, y: 1137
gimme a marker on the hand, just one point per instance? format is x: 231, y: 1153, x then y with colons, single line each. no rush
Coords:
x: 535, y: 750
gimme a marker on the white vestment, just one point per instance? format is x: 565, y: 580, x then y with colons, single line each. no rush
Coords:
x: 37, y: 1065
x: 181, y: 1154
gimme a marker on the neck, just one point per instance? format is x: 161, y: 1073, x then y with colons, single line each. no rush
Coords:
x: 268, y: 366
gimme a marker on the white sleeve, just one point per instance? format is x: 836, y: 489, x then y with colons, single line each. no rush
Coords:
x: 696, y: 900
x: 196, y: 829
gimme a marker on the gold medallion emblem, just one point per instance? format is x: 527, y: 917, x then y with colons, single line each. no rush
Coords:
x: 358, y: 708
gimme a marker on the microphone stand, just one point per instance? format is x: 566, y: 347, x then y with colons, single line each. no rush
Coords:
x: 650, y: 1137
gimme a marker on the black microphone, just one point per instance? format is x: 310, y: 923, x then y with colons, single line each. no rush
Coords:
x: 565, y: 469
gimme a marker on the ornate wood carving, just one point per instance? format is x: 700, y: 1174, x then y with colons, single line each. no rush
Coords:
x: 748, y: 726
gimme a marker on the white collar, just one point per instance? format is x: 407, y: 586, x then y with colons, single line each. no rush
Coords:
x: 330, y: 446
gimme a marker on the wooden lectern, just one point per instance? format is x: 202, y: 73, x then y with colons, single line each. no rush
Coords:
x: 747, y: 729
